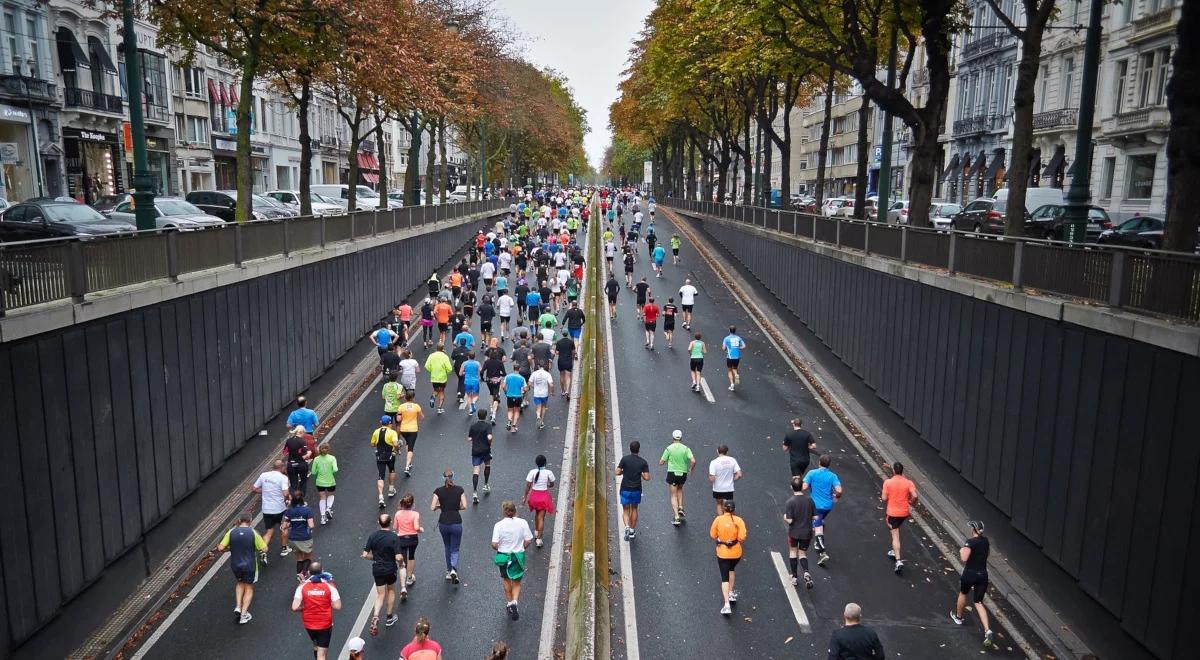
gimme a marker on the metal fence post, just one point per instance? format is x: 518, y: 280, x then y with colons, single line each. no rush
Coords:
x: 353, y: 217
x: 903, y: 244
x: 375, y: 223
x: 837, y: 232
x: 321, y: 219
x: 814, y: 228
x: 287, y: 236
x: 950, y: 258
x: 1116, y: 280
x: 867, y: 238
x: 76, y: 272
x: 238, y: 248
x: 173, y: 255
x: 1018, y: 259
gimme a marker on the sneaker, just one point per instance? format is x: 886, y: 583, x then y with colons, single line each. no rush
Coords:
x: 324, y: 520
x: 412, y: 579
x: 487, y: 488
x: 391, y: 491
x: 989, y: 640
x: 538, y: 541
x: 677, y: 522
x: 408, y: 472
x: 824, y: 559
x: 733, y: 596
x: 391, y: 620
x: 898, y: 567
x: 237, y: 615
x: 891, y: 554
x: 726, y: 610
x: 512, y: 611
x: 441, y: 411
x: 382, y: 504
x: 808, y: 581
x: 454, y: 576
x: 431, y: 401
x: 632, y: 534
x: 262, y: 557
x: 245, y: 618
x: 680, y: 512
x: 730, y: 387
x: 541, y: 424
x: 795, y: 581
x: 403, y: 594
x: 329, y: 513
x: 737, y: 378
x: 285, y: 551
x: 958, y: 620
x: 374, y: 629
x: 447, y: 576
x: 475, y: 498
x: 626, y: 535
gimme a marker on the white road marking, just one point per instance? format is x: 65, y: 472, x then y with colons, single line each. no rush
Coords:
x: 707, y: 392
x: 361, y: 621
x: 790, y: 590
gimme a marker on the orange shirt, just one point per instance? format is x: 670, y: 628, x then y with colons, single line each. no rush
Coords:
x: 443, y: 312
x: 456, y: 278
x: 897, y: 491
x: 726, y: 527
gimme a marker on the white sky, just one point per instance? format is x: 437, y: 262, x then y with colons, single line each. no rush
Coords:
x: 586, y: 40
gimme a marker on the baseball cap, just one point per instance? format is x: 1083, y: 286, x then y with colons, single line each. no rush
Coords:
x: 677, y: 434
x: 386, y: 419
x: 355, y: 645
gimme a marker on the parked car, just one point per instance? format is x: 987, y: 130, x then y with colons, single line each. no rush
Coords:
x: 459, y: 194
x: 321, y: 205
x: 897, y: 213
x: 3, y: 204
x: 1144, y: 231
x: 872, y: 207
x: 1034, y: 197
x: 837, y: 206
x: 980, y: 216
x: 941, y: 214
x: 222, y: 204
x: 365, y: 198
x: 1046, y: 221
x: 106, y: 203
x: 265, y: 201
x: 170, y: 213
x: 33, y: 220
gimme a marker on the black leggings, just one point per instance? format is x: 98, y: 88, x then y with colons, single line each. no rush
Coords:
x: 298, y: 475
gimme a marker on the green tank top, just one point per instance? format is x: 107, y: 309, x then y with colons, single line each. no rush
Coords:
x: 697, y: 350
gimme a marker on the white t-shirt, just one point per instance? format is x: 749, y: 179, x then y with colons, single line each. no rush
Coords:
x: 637, y: 217
x: 610, y: 250
x: 504, y: 305
x: 541, y: 479
x: 556, y: 283
x: 505, y: 259
x: 487, y: 270
x: 687, y: 294
x: 510, y: 534
x: 540, y: 381
x: 547, y: 335
x: 560, y: 259
x: 274, y: 486
x: 563, y: 276
x: 723, y: 468
x: 408, y: 373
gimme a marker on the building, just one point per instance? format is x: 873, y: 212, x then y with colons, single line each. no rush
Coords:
x: 31, y: 157
x: 841, y: 163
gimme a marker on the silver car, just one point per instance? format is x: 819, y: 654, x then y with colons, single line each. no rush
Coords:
x: 320, y: 205
x: 170, y: 213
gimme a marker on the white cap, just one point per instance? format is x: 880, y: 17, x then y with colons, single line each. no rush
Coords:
x: 355, y: 645
x: 677, y: 434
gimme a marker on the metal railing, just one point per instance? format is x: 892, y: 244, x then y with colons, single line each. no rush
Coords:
x: 1149, y: 281
x: 74, y: 97
x: 42, y: 271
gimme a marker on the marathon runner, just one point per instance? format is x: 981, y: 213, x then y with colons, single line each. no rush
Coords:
x: 410, y: 418
x: 407, y: 524
x: 510, y: 537
x: 386, y: 443
x: 650, y: 316
x: 316, y: 598
x: 514, y: 390
x: 421, y: 647
x: 825, y: 489
x: 611, y: 289
x: 538, y: 483
x: 387, y: 563
x: 299, y: 531
x: 798, y: 513
x: 669, y: 311
x: 641, y: 291
x: 733, y: 345
x: 974, y: 579
x: 898, y: 495
x: 687, y: 298
x: 493, y: 373
x: 439, y: 367
x: 729, y: 532
x: 324, y: 469
x: 680, y: 462
x: 798, y: 443
x: 244, y: 545
x: 275, y: 489
x: 449, y: 500
x: 480, y: 437
x: 469, y: 373
x: 542, y: 384
x: 696, y: 351
x: 723, y: 471
x: 633, y: 470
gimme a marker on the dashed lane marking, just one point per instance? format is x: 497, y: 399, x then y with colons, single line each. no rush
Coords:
x: 789, y: 589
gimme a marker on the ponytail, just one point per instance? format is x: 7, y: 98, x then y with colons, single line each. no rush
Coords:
x: 421, y: 632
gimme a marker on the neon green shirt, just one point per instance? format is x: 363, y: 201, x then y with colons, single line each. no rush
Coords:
x: 324, y: 470
x: 393, y: 393
x: 678, y: 457
x: 697, y: 350
x: 608, y: 235
x: 547, y: 320
x: 675, y: 242
x: 439, y: 367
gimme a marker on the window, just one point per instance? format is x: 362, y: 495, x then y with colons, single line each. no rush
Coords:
x: 10, y: 28
x: 1108, y: 171
x: 1068, y: 84
x: 154, y: 71
x: 180, y: 127
x: 1119, y: 86
x: 1043, y: 87
x: 1006, y: 95
x: 1145, y: 78
x: 1126, y: 11
x: 31, y: 33
x: 193, y: 81
x: 1141, y: 176
x: 197, y: 129
x: 987, y: 104
x: 1162, y: 75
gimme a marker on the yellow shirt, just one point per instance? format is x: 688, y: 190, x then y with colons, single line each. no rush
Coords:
x: 409, y: 412
x: 390, y: 437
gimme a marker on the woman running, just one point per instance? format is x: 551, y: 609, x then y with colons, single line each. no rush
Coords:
x: 538, y: 483
x: 729, y: 532
x: 421, y: 647
x: 510, y: 538
x: 449, y: 500
x: 324, y: 472
x: 407, y: 525
x: 696, y: 349
x: 427, y: 321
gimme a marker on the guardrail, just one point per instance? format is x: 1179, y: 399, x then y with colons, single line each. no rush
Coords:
x: 36, y: 272
x: 588, y: 626
x: 1148, y: 281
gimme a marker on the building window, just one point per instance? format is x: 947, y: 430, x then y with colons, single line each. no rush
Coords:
x: 31, y: 29
x: 197, y: 129
x: 154, y: 70
x: 1141, y: 176
x: 1145, y: 78
x: 1068, y: 81
x: 1119, y: 86
x: 1107, y: 173
x: 1126, y: 11
x: 1162, y: 75
x: 1043, y: 87
x: 14, y: 52
x: 193, y: 81
x: 180, y: 127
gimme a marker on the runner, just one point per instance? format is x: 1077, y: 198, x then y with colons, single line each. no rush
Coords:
x: 449, y: 500
x: 387, y: 563
x: 798, y: 513
x: 628, y: 261
x: 514, y: 390
x: 641, y: 292
x: 469, y: 373
x: 538, y: 483
x: 299, y: 521
x: 974, y: 579
x: 611, y: 289
x: 390, y: 361
x: 427, y: 306
x: 854, y: 640
x: 457, y: 358
x: 440, y: 367
x: 687, y: 298
x: 409, y: 368
x: 542, y: 384
x: 533, y: 301
x: 392, y: 393
x: 404, y: 313
x: 696, y: 351
x: 324, y: 468
x: 410, y: 421
x: 421, y: 647
x: 729, y: 532
x: 825, y: 489
x: 486, y: 313
x: 633, y: 470
x: 244, y: 545
x: 275, y: 488
x: 297, y: 454
x: 650, y: 315
x: 316, y: 598
x: 303, y: 416
x: 680, y: 462
x: 407, y: 525
x: 493, y: 373
x: 384, y: 338
x: 386, y: 443
x: 442, y: 313
x: 433, y: 284
x: 799, y: 443
x: 566, y: 349
x: 898, y: 495
x: 733, y: 345
x: 510, y: 538
x: 504, y: 309
x: 722, y: 472
x: 675, y: 245
x: 659, y: 254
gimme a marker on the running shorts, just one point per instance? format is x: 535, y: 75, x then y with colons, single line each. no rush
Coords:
x: 688, y: 308
x: 612, y: 299
x: 799, y: 468
x: 819, y: 519
x: 485, y: 326
x: 384, y: 580
x: 894, y: 522
x: 327, y: 489
x: 722, y: 494
x: 668, y: 324
x: 384, y: 467
x: 439, y: 387
x: 408, y: 546
x: 631, y: 497
x: 727, y: 566
x: 973, y: 581
x: 540, y: 400
x: 732, y: 363
x: 697, y: 364
x: 628, y: 268
x: 246, y: 575
x: 320, y: 638
x: 480, y: 459
x: 272, y: 520
x: 410, y: 439
x: 442, y: 327
x: 514, y: 402
x: 651, y: 325
x: 799, y: 544
x: 494, y: 389
x: 304, y: 546
x: 471, y: 387
x: 566, y: 365
x: 676, y: 479
x: 675, y: 251
x: 575, y: 333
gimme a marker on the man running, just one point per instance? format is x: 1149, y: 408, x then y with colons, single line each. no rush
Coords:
x: 687, y: 298
x: 611, y: 289
x: 275, y: 488
x: 504, y: 309
x: 510, y: 538
x: 514, y: 390
x: 679, y: 461
x: 469, y: 374
x: 974, y: 579
x: 542, y: 384
x: 439, y: 367
x: 898, y: 495
x: 722, y: 472
x: 316, y: 598
x: 565, y: 350
x: 410, y: 421
x: 393, y: 394
x: 733, y: 345
x: 633, y: 470
x: 798, y: 513
x: 303, y: 416
x: 442, y: 313
x: 675, y: 245
x: 575, y: 318
x: 650, y: 316
x: 480, y: 437
x: 729, y: 532
x: 387, y: 565
x: 798, y: 443
x: 641, y: 292
x: 300, y: 524
x: 386, y: 442
x: 669, y: 311
x: 825, y: 488
x: 854, y: 640
x: 659, y: 254
x: 244, y: 545
x: 628, y: 261
x: 493, y: 374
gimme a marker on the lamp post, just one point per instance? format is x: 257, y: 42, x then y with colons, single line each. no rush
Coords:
x: 1079, y: 194
x: 33, y: 128
x: 143, y: 194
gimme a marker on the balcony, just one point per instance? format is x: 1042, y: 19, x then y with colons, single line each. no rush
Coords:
x: 1151, y: 119
x: 89, y: 100
x: 980, y: 124
x: 985, y: 44
x: 1063, y: 118
x: 39, y: 90
x: 1153, y: 25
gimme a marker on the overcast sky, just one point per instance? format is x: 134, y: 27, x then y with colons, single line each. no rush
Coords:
x: 586, y: 40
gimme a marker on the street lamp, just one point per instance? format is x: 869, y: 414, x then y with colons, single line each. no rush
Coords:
x: 1079, y: 194
x: 143, y: 194
x: 33, y: 127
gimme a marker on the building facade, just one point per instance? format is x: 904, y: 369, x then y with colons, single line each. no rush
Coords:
x: 31, y: 155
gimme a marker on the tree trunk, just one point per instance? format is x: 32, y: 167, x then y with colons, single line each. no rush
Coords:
x: 383, y: 171
x: 821, y: 156
x: 1183, y: 158
x: 245, y: 172
x: 722, y: 165
x: 430, y: 158
x: 747, y: 163
x: 305, y: 145
x: 355, y: 140
x: 441, y: 129
x: 1022, y: 138
x: 863, y: 149
x: 412, y: 171
x: 767, y: 167
x: 689, y: 186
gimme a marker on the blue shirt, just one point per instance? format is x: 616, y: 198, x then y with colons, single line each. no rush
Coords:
x: 297, y: 521
x: 659, y: 254
x: 733, y: 344
x: 501, y: 282
x: 465, y: 339
x: 514, y: 383
x: 488, y: 248
x: 302, y: 417
x: 471, y: 372
x: 533, y: 299
x: 821, y: 483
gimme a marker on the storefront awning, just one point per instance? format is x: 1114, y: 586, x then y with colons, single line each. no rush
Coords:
x: 996, y: 166
x: 950, y: 167
x: 213, y: 95
x: 233, y: 98
x: 70, y: 53
x: 370, y: 178
x: 224, y: 95
x: 367, y: 161
x: 100, y: 54
x: 1055, y: 164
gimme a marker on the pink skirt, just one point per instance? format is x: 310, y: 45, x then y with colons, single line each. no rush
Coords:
x: 540, y: 500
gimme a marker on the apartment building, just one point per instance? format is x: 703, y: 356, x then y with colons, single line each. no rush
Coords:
x: 841, y: 164
x: 31, y: 157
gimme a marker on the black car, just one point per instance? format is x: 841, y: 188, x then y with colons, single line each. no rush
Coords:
x: 222, y: 204
x: 1046, y: 221
x: 35, y: 220
x: 979, y: 216
x: 1144, y: 231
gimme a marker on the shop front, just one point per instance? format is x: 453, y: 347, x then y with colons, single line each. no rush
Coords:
x: 18, y: 169
x: 94, y: 164
x: 158, y: 159
x: 225, y: 164
x: 329, y: 172
x: 260, y: 166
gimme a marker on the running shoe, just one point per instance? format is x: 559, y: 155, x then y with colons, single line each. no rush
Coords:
x: 891, y: 554
x: 408, y: 471
x: 487, y: 488
x: 454, y: 576
x: 808, y: 581
x: 632, y: 534
x: 391, y: 620
x: 431, y: 401
x: 726, y: 610
x: 412, y: 579
x: 677, y: 522
x: 898, y: 567
x: 441, y: 411
x: 381, y: 503
x: 391, y: 491
x: 262, y: 557
x: 324, y: 520
x: 733, y: 596
x: 475, y: 498
x: 989, y: 640
x: 374, y: 629
x: 237, y: 615
x: 245, y: 618
x: 285, y: 551
x: 403, y: 594
x: 537, y: 541
x: 680, y: 512
x: 541, y: 424
x: 824, y: 559
x: 447, y: 576
x: 795, y: 581
x: 731, y: 387
x: 626, y: 535
x: 329, y: 513
x: 958, y: 620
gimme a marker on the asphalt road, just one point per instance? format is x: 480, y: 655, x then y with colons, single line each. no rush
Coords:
x: 466, y: 619
x: 676, y: 582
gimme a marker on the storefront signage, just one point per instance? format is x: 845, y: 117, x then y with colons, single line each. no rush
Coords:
x: 95, y: 137
x: 10, y: 154
x: 89, y: 136
x: 226, y: 145
x: 9, y: 113
x: 156, y: 144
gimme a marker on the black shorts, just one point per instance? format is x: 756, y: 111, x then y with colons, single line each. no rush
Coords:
x: 385, y: 579
x: 629, y: 269
x: 732, y: 363
x: 651, y: 325
x: 669, y: 324
x: 384, y: 467
x: 248, y: 575
x: 688, y: 308
x: 320, y: 638
x: 697, y: 364
x: 408, y: 547
x: 894, y: 522
x: 727, y: 566
x: 722, y: 494
x: 494, y: 389
x: 442, y: 327
x: 485, y: 326
x: 973, y: 581
x: 456, y: 290
x: 641, y: 301
x: 565, y: 366
x: 272, y: 520
x: 514, y: 402
x: 799, y: 468
x: 799, y: 544
x: 504, y: 319
x: 439, y: 387
x: 326, y: 489
x: 410, y: 439
x: 675, y: 251
x: 676, y: 479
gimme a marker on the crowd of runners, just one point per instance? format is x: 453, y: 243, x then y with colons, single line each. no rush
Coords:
x: 523, y: 278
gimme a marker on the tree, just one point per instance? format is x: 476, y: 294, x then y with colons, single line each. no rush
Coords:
x: 1183, y: 157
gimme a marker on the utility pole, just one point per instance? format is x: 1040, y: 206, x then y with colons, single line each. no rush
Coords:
x: 33, y: 127
x: 1080, y: 193
x: 885, y: 148
x: 143, y: 195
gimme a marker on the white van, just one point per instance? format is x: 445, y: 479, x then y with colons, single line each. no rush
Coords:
x: 1034, y: 197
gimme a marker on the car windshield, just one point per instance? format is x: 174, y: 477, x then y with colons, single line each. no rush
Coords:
x: 1097, y: 215
x: 323, y: 198
x: 947, y: 210
x: 76, y: 214
x: 176, y: 207
x: 364, y: 191
x: 265, y: 201
x: 109, y: 201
